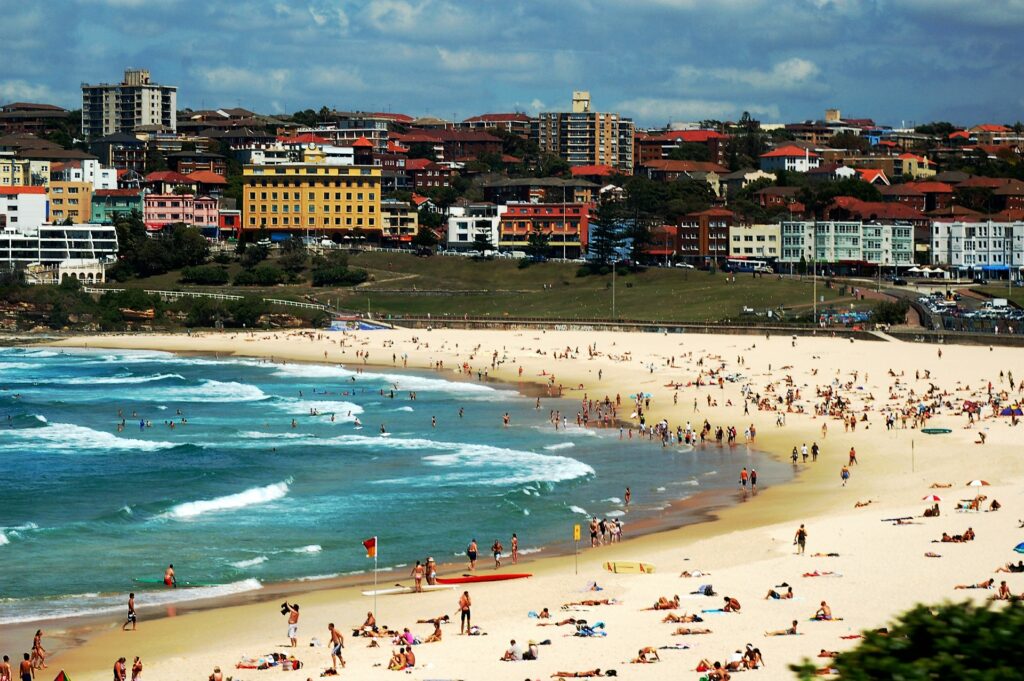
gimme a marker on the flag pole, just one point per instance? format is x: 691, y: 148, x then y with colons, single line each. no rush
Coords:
x: 376, y: 550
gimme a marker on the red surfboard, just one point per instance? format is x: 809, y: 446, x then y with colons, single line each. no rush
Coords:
x: 472, y: 579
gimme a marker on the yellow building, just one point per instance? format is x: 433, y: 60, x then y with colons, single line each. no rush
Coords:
x: 311, y: 196
x: 14, y: 172
x: 70, y: 200
x: 755, y: 242
x: 401, y: 221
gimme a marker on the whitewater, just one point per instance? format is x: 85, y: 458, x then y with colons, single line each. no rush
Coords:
x: 242, y: 472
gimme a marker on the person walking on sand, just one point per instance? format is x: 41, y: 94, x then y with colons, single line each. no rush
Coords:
x: 744, y: 476
x: 5, y: 669
x: 853, y: 456
x: 471, y: 551
x: 496, y: 549
x: 337, y: 643
x: 464, y: 613
x: 293, y: 623
x: 844, y: 475
x: 800, y: 540
x: 119, y: 669
x: 25, y: 672
x: 137, y: 669
x: 753, y: 479
x: 132, y: 619
x: 514, y: 546
x: 38, y: 651
x: 417, y: 575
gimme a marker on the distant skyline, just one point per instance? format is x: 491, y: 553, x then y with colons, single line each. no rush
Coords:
x: 658, y: 61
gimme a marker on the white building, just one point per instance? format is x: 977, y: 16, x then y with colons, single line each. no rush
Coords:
x: 87, y: 170
x: 23, y: 207
x: 122, y: 107
x: 986, y: 246
x: 847, y: 243
x: 56, y: 244
x: 476, y: 218
x: 790, y: 158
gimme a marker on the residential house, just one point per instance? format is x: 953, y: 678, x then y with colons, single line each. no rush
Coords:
x: 539, y: 189
x: 914, y: 167
x: 169, y: 182
x: 906, y: 194
x: 188, y: 162
x: 656, y: 146
x: 790, y: 158
x: 831, y: 172
x: 425, y: 174
x: 120, y: 150
x: 598, y: 174
x: 774, y: 198
x: 666, y: 170
x: 208, y: 183
x: 515, y: 123
x: 86, y: 170
x: 734, y: 182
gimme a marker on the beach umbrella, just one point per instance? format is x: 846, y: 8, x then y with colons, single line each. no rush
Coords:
x: 931, y: 497
x: 1019, y: 548
x: 977, y: 483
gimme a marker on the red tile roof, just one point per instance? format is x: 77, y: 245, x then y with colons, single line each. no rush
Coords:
x: 670, y: 166
x: 933, y: 187
x: 396, y: 148
x: 206, y: 177
x: 959, y: 134
x: 979, y: 182
x: 713, y: 213
x: 396, y: 117
x: 168, y: 176
x: 118, y: 192
x: 419, y: 200
x: 688, y: 136
x: 988, y: 127
x: 419, y: 164
x: 788, y: 151
x: 869, y: 175
x: 600, y: 170
x: 307, y: 138
x: 362, y: 143
x: 498, y: 118
x: 877, y: 210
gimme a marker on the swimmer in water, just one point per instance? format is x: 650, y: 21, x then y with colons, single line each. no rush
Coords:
x: 169, y: 578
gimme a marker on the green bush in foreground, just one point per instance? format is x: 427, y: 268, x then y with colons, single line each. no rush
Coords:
x: 959, y: 641
x: 208, y: 275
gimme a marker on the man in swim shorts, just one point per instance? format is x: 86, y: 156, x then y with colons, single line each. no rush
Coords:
x: 293, y: 623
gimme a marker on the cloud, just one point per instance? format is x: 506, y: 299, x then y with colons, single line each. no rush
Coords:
x: 20, y: 90
x: 663, y: 110
x: 235, y: 79
x: 785, y: 75
x: 481, y: 60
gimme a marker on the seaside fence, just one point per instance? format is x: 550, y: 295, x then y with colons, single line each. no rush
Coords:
x: 177, y: 295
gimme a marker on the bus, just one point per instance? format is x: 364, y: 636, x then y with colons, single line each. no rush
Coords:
x: 744, y: 265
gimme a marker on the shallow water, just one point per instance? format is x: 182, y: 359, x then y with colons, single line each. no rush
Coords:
x: 237, y: 497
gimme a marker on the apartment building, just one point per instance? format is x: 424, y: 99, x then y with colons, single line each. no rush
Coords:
x: 477, y: 218
x: 70, y: 201
x: 126, y: 106
x: 755, y: 242
x: 162, y: 210
x: 110, y: 204
x: 88, y: 170
x: 81, y: 247
x: 847, y: 245
x: 309, y: 196
x: 583, y: 137
x: 14, y: 172
x: 988, y: 246
x: 704, y: 235
x: 566, y: 225
x: 655, y: 146
x: 401, y: 221
x: 515, y: 123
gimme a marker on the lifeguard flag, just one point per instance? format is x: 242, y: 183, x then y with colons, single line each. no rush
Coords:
x: 371, y: 547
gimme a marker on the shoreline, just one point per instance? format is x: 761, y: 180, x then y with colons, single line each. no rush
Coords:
x: 741, y: 542
x: 697, y: 508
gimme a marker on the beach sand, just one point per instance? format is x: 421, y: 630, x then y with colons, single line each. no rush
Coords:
x: 748, y: 548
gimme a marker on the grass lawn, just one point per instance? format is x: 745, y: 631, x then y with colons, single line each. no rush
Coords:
x: 552, y: 290
x: 1016, y: 294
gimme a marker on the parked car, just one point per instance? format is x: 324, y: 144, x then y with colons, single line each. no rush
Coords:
x: 899, y: 281
x: 685, y: 265
x: 981, y: 281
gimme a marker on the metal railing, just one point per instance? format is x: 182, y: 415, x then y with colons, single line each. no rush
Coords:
x: 178, y: 295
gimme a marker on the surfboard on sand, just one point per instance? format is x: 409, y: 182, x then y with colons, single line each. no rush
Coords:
x: 398, y: 589
x: 936, y: 431
x: 628, y: 567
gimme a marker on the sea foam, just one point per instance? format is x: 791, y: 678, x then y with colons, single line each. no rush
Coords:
x: 251, y: 497
x: 68, y: 437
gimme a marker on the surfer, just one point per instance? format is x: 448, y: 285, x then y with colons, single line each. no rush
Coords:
x: 169, y: 578
x: 132, y: 619
x: 383, y: 430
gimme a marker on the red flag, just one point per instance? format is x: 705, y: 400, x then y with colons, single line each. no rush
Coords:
x: 371, y: 547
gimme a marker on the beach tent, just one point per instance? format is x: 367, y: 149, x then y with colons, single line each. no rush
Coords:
x: 1011, y: 411
x: 1019, y: 548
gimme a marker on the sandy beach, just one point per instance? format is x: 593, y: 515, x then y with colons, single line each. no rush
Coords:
x: 880, y: 570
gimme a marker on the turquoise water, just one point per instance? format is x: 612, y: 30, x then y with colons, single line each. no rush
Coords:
x: 238, y: 497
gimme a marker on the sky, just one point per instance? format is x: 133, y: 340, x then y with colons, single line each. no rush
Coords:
x: 659, y: 61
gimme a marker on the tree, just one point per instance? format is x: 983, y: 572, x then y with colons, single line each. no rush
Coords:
x: 188, y: 246
x: 424, y: 237
x: 482, y: 242
x: 848, y: 140
x: 950, y: 641
x: 254, y: 255
x: 690, y: 151
x: 890, y: 312
x: 537, y: 244
x: 607, y: 234
x: 293, y: 257
x: 422, y: 150
x: 975, y: 198
x: 550, y: 165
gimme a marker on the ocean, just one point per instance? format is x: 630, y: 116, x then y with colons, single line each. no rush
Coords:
x: 237, y: 497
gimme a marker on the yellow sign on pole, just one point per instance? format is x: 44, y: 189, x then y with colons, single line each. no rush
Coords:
x: 575, y: 532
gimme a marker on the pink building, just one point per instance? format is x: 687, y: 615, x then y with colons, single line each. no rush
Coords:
x: 161, y: 210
